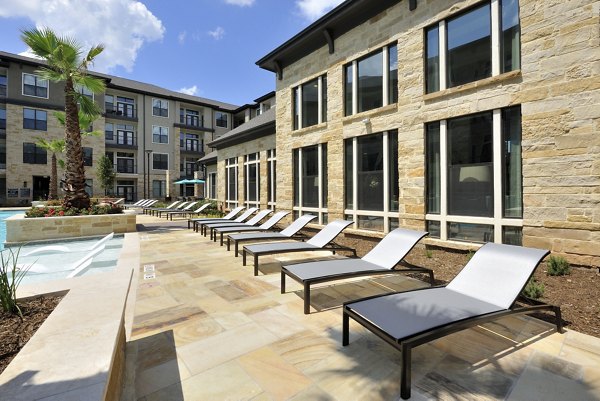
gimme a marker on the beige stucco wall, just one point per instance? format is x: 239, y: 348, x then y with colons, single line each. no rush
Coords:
x: 558, y: 88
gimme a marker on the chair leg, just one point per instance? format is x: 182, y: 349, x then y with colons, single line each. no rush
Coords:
x: 236, y: 249
x: 345, y: 328
x: 282, y: 282
x: 256, y: 264
x: 405, y: 374
x: 229, y: 244
x: 306, y: 298
x: 221, y: 239
x: 431, y: 278
x: 243, y: 255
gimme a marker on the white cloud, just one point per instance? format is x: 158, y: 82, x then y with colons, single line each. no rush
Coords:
x: 192, y: 90
x: 242, y: 3
x: 313, y: 9
x: 218, y: 33
x: 122, y: 26
x: 181, y: 37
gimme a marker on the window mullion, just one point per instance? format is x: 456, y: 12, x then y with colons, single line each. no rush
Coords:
x: 354, y: 180
x: 320, y: 100
x: 444, y: 180
x: 300, y: 200
x: 386, y: 184
x: 442, y: 53
x: 386, y: 75
x: 299, y: 100
x: 354, y: 87
x: 495, y: 11
x: 320, y: 163
x: 497, y: 167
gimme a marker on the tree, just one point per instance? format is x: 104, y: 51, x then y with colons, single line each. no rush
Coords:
x: 106, y: 173
x: 54, y: 146
x: 65, y: 63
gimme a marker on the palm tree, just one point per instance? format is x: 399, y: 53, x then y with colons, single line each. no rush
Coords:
x: 54, y: 146
x: 65, y: 63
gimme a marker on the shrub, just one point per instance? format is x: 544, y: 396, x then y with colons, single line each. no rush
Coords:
x: 534, y: 289
x: 10, y: 278
x: 50, y: 211
x: 558, y: 266
x: 428, y: 253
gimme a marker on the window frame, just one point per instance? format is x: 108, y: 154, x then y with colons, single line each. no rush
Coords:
x: 37, y: 77
x: 231, y: 169
x: 35, y: 119
x: 160, y: 134
x: 162, y: 190
x: 321, y: 210
x: 123, y: 131
x: 247, y: 164
x: 297, y: 102
x: 37, y: 154
x: 160, y: 107
x: 154, y: 161
x: 211, y: 186
x: 217, y: 119
x: 85, y: 157
x: 272, y: 178
x: 130, y: 158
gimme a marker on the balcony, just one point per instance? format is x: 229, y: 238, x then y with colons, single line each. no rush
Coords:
x: 121, y: 142
x: 2, y: 90
x: 193, y: 123
x: 126, y: 166
x: 126, y: 112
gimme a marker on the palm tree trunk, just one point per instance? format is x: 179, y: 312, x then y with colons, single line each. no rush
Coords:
x: 74, y: 187
x: 53, y: 179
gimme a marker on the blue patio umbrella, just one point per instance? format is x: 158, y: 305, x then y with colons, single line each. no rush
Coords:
x: 185, y: 181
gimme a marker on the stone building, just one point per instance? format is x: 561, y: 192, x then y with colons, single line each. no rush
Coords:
x: 475, y: 120
x: 154, y: 136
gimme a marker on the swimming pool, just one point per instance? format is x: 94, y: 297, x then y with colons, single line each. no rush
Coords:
x: 103, y: 262
x: 5, y: 214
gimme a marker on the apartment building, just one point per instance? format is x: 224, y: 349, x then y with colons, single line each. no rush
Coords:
x: 475, y: 120
x: 154, y: 136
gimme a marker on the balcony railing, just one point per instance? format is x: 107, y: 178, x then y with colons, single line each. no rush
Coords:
x: 121, y: 111
x: 122, y: 141
x: 126, y: 166
x: 2, y: 90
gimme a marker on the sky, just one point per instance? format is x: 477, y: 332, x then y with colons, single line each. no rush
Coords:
x: 206, y: 48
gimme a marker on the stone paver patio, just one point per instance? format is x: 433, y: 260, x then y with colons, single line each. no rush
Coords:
x: 205, y: 329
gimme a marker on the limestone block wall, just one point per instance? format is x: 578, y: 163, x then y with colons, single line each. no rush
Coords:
x: 558, y: 88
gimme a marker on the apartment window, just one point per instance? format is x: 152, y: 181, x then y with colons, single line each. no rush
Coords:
x: 125, y: 163
x: 35, y: 119
x: 87, y: 156
x: 33, y: 154
x: 372, y: 81
x: 160, y: 108
x: 3, y: 84
x: 125, y: 135
x: 212, y: 186
x: 160, y: 134
x: 371, y: 181
x: 159, y: 188
x: 2, y: 119
x: 190, y: 142
x: 190, y: 117
x: 160, y: 161
x: 109, y: 103
x: 476, y: 44
x: 84, y: 91
x: 126, y: 189
x: 252, y: 185
x: 125, y: 107
x: 473, y: 175
x: 310, y: 181
x: 231, y: 182
x: 109, y: 133
x: 89, y: 187
x: 2, y: 159
x: 221, y: 119
x: 271, y: 178
x: 310, y: 103
x: 34, y: 85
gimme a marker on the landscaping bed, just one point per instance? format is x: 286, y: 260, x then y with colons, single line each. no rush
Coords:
x: 15, y: 333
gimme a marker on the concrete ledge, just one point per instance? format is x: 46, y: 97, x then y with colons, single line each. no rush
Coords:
x: 19, y: 229
x: 78, y: 353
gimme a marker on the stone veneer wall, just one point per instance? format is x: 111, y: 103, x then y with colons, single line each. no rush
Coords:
x: 20, y: 229
x: 257, y: 145
x: 558, y: 88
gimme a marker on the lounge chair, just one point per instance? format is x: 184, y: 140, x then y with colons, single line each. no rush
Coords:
x: 232, y: 213
x: 155, y: 211
x: 148, y: 210
x: 118, y: 201
x: 186, y: 208
x: 486, y: 289
x: 380, y: 260
x: 138, y: 203
x: 250, y: 223
x: 67, y: 249
x: 322, y: 241
x: 185, y: 213
x: 199, y: 225
x: 146, y: 203
x: 267, y: 225
x: 77, y: 266
x: 287, y: 233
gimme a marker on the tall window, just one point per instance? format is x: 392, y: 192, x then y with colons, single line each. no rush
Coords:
x: 231, y: 182
x: 478, y: 43
x: 160, y: 108
x: 85, y: 91
x: 160, y: 161
x: 473, y: 177
x: 252, y: 185
x: 190, y: 117
x: 221, y: 119
x: 271, y: 178
x: 33, y: 154
x: 212, y: 186
x: 35, y: 119
x: 3, y: 84
x: 109, y: 132
x: 2, y: 120
x: 159, y: 188
x: 371, y: 181
x: 126, y: 189
x: 35, y: 86
x: 160, y: 134
x: 87, y: 156
x: 125, y: 106
x: 125, y: 135
x: 89, y: 187
x: 126, y: 163
x: 310, y: 181
x: 372, y: 81
x: 190, y: 142
x: 310, y: 103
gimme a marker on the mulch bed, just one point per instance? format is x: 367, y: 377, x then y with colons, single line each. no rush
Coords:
x: 14, y: 332
x: 576, y: 293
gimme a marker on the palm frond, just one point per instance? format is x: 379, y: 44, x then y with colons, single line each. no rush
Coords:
x: 42, y: 42
x: 94, y: 51
x: 87, y: 106
x: 94, y: 84
x: 60, y: 116
x: 51, y: 75
x: 53, y: 145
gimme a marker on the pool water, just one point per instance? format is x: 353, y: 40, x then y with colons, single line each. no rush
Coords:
x: 4, y: 214
x: 61, y: 263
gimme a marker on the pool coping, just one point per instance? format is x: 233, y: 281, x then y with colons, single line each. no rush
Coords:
x: 79, y: 351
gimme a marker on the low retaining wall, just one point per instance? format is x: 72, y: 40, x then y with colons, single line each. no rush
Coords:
x: 19, y: 229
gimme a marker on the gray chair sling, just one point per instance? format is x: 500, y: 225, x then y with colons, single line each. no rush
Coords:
x: 149, y: 209
x: 287, y: 233
x: 267, y: 225
x: 250, y: 223
x: 380, y: 260
x: 486, y: 289
x: 201, y: 225
x: 184, y: 212
x: 322, y: 241
x: 182, y: 207
x: 228, y: 216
